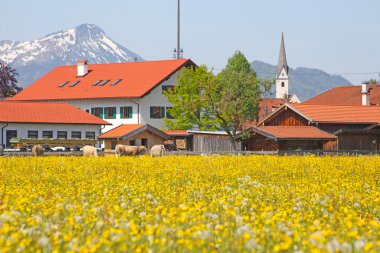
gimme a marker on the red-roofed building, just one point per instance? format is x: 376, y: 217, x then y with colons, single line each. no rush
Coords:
x: 133, y: 134
x: 39, y: 120
x: 272, y: 138
x: 356, y: 127
x: 365, y: 94
x: 120, y: 93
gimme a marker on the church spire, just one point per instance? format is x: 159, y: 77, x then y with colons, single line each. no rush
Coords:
x: 282, y: 64
x: 282, y: 77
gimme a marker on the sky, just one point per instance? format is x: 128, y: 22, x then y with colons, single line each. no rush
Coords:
x: 337, y: 36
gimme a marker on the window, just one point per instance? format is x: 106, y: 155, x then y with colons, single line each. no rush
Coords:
x: 97, y: 111
x: 62, y: 134
x: 282, y: 84
x: 74, y: 83
x: 104, y: 82
x: 110, y: 113
x: 47, y: 134
x: 157, y: 112
x: 167, y: 88
x: 116, y: 82
x: 10, y: 134
x: 96, y: 83
x: 90, y: 135
x: 76, y: 135
x: 132, y: 142
x: 126, y: 112
x: 63, y: 84
x: 168, y: 115
x: 32, y: 134
x: 144, y: 142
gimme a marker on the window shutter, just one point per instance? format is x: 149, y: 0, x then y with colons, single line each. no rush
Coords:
x: 92, y: 111
x: 152, y: 112
x: 101, y: 113
x: 162, y: 112
x: 121, y: 113
x: 114, y: 112
x: 130, y: 112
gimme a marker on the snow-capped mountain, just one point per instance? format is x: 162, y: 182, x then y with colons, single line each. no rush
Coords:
x: 33, y: 59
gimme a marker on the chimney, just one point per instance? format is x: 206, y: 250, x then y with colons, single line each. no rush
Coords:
x: 365, y: 93
x: 82, y: 68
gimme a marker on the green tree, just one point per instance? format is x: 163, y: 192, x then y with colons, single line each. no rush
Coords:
x: 372, y: 81
x: 225, y: 101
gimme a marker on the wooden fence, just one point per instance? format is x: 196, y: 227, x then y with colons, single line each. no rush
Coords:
x: 194, y: 153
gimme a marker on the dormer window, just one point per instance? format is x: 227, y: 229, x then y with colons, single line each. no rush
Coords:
x: 116, y: 82
x: 74, y: 83
x: 96, y: 83
x: 63, y: 84
x: 104, y: 82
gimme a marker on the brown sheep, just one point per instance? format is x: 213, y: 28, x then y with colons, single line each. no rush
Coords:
x: 89, y: 151
x: 126, y: 150
x: 37, y: 150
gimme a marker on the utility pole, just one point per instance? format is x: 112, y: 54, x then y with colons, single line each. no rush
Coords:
x: 178, y: 30
x: 178, y: 51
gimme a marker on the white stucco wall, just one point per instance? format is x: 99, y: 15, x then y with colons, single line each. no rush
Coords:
x: 22, y: 129
x: 88, y: 104
x: 155, y: 98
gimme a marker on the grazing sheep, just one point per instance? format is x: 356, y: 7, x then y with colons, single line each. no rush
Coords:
x: 37, y: 150
x: 89, y: 151
x: 157, y: 150
x: 126, y: 150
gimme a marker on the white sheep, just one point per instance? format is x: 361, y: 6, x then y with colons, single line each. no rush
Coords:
x: 157, y: 150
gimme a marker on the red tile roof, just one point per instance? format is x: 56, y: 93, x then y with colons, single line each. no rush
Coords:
x: 128, y: 130
x: 339, y: 113
x: 346, y: 95
x: 137, y: 79
x: 293, y: 132
x: 120, y: 131
x: 52, y: 113
x: 176, y: 132
x: 333, y: 113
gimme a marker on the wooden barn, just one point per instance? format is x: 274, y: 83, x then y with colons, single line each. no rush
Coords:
x: 272, y: 138
x: 199, y: 141
x: 355, y: 127
x: 212, y: 141
x: 133, y: 134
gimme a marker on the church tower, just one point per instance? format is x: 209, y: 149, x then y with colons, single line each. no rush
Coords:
x: 282, y: 77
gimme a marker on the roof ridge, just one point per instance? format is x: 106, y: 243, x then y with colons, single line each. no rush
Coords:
x: 131, y: 62
x: 337, y: 105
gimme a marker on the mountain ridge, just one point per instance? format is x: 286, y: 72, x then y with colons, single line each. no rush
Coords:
x: 33, y: 59
x: 304, y: 82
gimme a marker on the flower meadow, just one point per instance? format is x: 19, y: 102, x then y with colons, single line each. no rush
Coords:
x: 190, y: 204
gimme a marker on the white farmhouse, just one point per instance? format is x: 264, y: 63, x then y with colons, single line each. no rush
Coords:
x: 49, y: 122
x: 120, y: 93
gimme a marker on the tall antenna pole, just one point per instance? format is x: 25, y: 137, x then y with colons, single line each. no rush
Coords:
x: 178, y: 30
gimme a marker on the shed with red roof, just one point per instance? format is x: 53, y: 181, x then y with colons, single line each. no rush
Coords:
x: 356, y: 127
